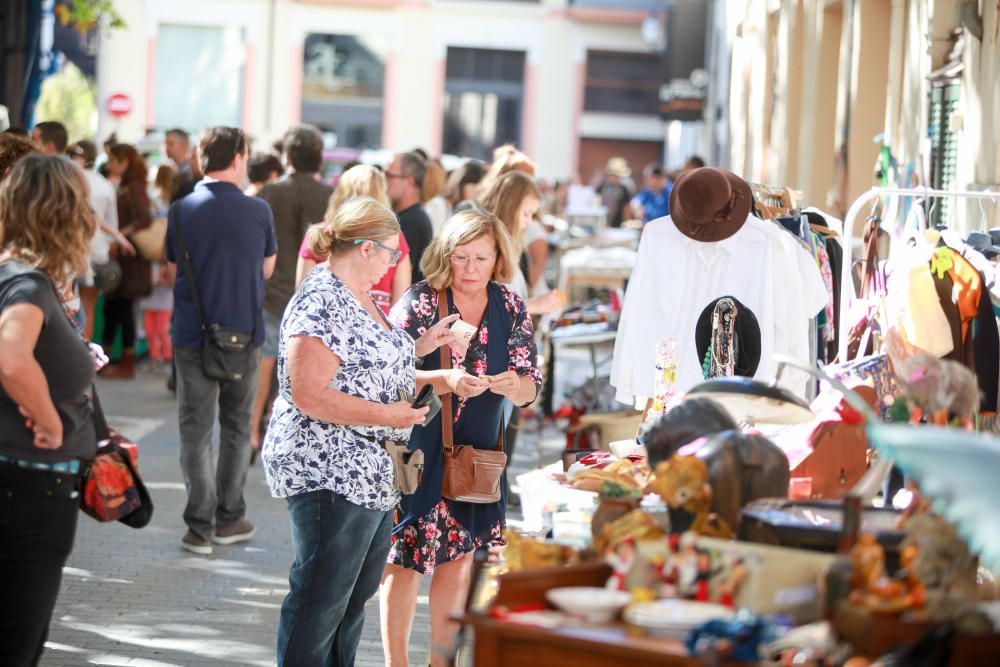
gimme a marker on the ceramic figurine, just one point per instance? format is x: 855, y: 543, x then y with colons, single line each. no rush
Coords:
x: 682, y: 482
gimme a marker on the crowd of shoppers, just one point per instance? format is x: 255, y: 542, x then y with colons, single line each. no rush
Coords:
x: 348, y: 295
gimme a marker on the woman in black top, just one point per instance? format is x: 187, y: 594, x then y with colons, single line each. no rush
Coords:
x: 46, y: 423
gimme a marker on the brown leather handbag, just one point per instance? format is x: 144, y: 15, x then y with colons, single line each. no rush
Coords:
x: 470, y: 475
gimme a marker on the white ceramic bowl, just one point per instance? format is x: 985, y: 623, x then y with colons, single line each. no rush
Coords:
x: 596, y: 605
x: 672, y: 619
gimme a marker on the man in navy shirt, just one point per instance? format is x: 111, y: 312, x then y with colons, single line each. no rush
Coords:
x: 231, y: 241
x: 654, y: 200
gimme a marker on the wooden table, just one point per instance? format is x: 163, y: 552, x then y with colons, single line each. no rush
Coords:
x: 504, y: 644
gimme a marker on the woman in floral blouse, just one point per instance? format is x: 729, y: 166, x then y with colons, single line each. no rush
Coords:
x: 467, y: 263
x: 341, y: 368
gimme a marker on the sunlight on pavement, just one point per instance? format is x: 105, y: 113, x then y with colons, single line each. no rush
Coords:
x: 231, y: 568
x: 139, y: 635
x: 87, y: 575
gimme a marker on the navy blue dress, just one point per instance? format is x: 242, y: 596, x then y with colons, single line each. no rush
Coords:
x: 430, y: 530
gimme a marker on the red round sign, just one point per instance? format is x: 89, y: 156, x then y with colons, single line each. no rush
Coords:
x: 119, y: 105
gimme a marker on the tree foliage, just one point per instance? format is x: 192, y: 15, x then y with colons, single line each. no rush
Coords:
x: 86, y: 14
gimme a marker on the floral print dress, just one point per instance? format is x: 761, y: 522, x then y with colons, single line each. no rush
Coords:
x: 438, y: 537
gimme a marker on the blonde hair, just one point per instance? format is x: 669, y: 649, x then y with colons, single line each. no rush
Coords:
x: 504, y: 199
x: 45, y: 216
x: 357, y: 218
x: 434, y: 181
x: 359, y: 180
x: 462, y: 228
x: 506, y: 158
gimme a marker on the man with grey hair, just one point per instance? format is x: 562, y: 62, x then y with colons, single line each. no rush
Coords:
x: 404, y: 179
x: 297, y: 201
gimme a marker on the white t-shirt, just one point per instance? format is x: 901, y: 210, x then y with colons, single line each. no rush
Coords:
x: 104, y: 201
x: 676, y: 277
x: 535, y: 232
x: 438, y: 210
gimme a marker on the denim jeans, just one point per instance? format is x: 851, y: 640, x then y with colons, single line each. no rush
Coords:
x: 215, y: 495
x: 340, y: 550
x: 38, y: 514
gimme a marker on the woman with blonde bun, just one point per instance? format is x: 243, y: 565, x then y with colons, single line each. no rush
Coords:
x: 342, y: 368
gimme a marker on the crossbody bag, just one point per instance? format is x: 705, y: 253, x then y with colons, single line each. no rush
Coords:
x: 471, y: 475
x: 225, y: 351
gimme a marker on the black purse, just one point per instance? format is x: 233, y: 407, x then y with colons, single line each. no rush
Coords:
x: 225, y: 351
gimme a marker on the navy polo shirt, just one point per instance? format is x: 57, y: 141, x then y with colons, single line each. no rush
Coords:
x: 228, y: 235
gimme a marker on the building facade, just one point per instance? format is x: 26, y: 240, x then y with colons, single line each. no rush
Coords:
x: 571, y: 82
x: 831, y: 97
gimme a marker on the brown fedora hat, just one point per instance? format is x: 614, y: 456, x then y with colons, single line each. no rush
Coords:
x: 710, y: 204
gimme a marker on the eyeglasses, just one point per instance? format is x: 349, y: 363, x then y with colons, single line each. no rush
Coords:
x: 478, y: 260
x: 394, y: 254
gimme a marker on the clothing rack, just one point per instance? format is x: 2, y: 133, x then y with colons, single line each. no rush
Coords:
x: 773, y: 200
x: 847, y: 295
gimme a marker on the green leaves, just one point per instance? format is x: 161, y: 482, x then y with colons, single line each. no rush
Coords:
x: 86, y: 14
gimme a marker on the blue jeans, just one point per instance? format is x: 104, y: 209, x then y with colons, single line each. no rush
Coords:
x: 340, y: 551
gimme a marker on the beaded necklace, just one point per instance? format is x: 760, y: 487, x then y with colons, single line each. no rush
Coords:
x: 720, y: 357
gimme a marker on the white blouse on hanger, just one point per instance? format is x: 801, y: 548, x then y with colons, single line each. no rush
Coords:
x: 676, y: 277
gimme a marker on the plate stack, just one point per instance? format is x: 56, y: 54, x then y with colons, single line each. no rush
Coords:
x: 673, y: 619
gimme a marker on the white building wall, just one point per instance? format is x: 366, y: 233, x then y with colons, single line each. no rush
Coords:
x: 417, y: 35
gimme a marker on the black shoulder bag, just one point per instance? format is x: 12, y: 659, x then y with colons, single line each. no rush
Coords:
x: 225, y: 351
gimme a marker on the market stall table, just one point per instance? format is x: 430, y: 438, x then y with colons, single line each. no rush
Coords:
x: 500, y: 643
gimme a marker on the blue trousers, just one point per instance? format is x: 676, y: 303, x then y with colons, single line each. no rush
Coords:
x: 340, y: 551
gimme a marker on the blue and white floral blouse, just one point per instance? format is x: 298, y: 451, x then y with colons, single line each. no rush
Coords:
x: 301, y: 454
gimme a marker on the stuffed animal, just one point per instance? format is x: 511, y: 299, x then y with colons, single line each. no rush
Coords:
x: 682, y: 482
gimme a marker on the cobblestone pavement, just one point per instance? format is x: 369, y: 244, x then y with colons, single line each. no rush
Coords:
x: 133, y: 597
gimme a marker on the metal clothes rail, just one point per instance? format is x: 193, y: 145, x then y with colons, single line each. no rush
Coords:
x: 846, y: 281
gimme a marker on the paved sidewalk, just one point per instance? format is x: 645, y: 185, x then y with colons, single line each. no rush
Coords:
x: 133, y: 597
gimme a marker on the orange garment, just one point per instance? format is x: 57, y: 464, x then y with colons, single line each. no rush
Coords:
x: 968, y: 290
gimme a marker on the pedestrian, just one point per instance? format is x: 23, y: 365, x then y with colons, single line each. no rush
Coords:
x: 177, y: 149
x: 467, y: 264
x: 432, y: 194
x: 653, y: 201
x: 13, y: 148
x: 230, y: 240
x: 134, y: 214
x: 104, y: 202
x: 404, y: 179
x: 462, y: 182
x: 614, y: 190
x: 363, y: 180
x: 47, y: 433
x: 263, y: 169
x: 158, y: 307
x: 297, y: 201
x: 341, y: 369
x: 514, y: 198
x: 50, y: 136
x: 505, y: 158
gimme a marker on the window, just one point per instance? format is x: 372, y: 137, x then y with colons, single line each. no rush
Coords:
x: 484, y: 91
x: 343, y: 79
x: 944, y: 145
x: 199, y: 77
x: 623, y: 82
